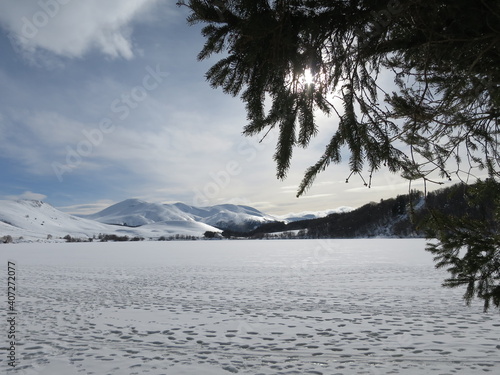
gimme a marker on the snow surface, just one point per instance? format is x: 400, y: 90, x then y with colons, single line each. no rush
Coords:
x: 244, y: 307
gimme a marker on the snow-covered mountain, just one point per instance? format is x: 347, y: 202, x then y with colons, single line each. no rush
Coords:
x: 34, y: 220
x: 134, y: 212
x: 309, y: 215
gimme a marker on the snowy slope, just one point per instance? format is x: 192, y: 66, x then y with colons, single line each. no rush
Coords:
x: 29, y: 218
x: 167, y: 228
x: 34, y: 220
x: 235, y: 217
x: 134, y: 212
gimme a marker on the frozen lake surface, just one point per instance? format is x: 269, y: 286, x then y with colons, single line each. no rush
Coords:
x: 244, y: 307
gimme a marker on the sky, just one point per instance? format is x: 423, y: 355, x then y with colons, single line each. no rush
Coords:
x: 102, y: 101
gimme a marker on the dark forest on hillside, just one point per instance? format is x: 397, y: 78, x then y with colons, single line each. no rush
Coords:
x: 404, y: 216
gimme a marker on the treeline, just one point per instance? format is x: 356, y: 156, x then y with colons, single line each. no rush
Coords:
x: 115, y: 238
x: 101, y: 238
x: 388, y: 218
x: 404, y: 216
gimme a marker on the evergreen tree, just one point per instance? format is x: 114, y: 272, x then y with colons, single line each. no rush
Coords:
x: 297, y: 55
x: 469, y: 243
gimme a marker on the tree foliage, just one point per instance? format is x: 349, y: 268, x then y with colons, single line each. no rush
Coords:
x: 469, y: 243
x: 439, y: 118
x: 443, y: 56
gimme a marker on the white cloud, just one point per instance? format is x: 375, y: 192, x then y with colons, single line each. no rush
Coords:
x: 27, y: 195
x: 71, y: 28
x: 87, y: 209
x: 37, y: 138
x: 317, y: 196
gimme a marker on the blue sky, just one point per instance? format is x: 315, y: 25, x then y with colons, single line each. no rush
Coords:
x: 105, y: 100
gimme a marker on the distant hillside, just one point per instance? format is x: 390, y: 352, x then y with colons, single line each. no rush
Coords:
x: 28, y: 220
x: 309, y: 215
x: 135, y: 212
x: 403, y: 216
x: 34, y: 220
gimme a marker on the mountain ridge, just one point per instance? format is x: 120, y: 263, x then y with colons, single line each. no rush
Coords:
x: 136, y: 212
x: 29, y: 220
x: 37, y: 220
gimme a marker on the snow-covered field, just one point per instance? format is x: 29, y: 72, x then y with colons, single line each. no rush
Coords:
x: 245, y: 307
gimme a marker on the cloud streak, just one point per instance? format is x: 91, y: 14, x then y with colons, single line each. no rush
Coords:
x: 27, y: 195
x: 70, y: 28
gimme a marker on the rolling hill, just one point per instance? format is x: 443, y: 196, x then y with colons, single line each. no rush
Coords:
x: 35, y: 220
